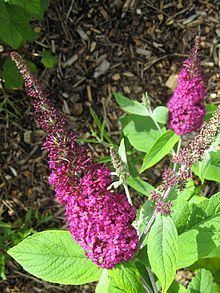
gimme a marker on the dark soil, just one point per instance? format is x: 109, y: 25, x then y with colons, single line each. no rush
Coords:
x: 103, y: 47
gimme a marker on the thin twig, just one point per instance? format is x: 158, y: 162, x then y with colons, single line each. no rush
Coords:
x: 70, y: 9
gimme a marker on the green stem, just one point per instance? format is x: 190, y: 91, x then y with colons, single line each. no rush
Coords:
x: 158, y: 126
x: 153, y: 283
x: 155, y: 122
x: 127, y: 193
x: 177, y: 153
x: 146, y: 286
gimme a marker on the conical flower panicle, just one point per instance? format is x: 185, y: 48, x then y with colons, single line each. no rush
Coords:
x: 186, y: 106
x: 100, y: 220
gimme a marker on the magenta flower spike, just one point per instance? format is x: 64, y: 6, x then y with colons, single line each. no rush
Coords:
x: 186, y: 106
x: 100, y: 220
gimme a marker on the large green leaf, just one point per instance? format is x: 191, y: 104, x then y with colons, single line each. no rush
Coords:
x: 34, y: 7
x: 202, y: 283
x: 210, y: 169
x: 140, y: 185
x: 140, y: 131
x: 200, y: 231
x: 181, y: 213
x: 131, y: 106
x: 127, y: 277
x: 54, y: 256
x: 14, y: 25
x: 159, y: 149
x: 163, y: 250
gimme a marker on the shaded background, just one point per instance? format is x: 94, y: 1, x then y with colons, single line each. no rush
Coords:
x: 103, y: 47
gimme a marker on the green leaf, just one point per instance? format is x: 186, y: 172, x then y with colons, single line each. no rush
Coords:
x: 160, y: 114
x: 140, y: 185
x: 143, y: 216
x: 103, y: 284
x: 44, y: 4
x: 127, y: 277
x: 188, y: 191
x: 176, y: 288
x: 107, y: 284
x: 11, y: 75
x: 122, y: 151
x: 196, y: 199
x: 211, y: 264
x: 14, y: 25
x: 160, y: 149
x: 32, y: 66
x: 209, y: 168
x: 2, y: 267
x: 215, y: 145
x: 113, y: 288
x: 130, y: 106
x: 180, y: 213
x: 140, y: 131
x: 202, y: 283
x: 163, y: 250
x: 100, y: 126
x: 210, y: 110
x: 142, y: 257
x: 144, y: 272
x: 55, y: 257
x: 200, y: 231
x: 34, y: 7
x: 48, y: 59
x: 204, y: 166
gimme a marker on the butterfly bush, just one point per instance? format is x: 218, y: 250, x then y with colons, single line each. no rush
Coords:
x: 186, y: 106
x: 100, y: 220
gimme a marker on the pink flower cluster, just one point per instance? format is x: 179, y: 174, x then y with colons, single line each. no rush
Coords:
x: 100, y: 220
x: 186, y: 107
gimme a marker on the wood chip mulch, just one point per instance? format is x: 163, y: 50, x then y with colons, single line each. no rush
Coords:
x: 103, y: 47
